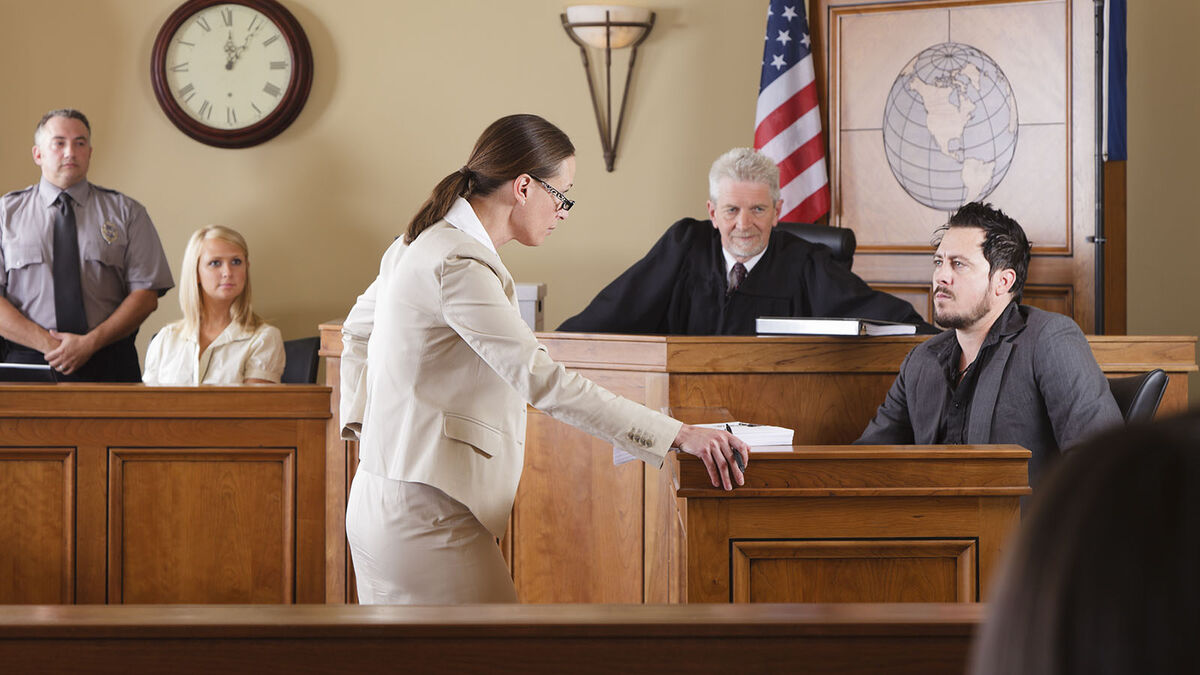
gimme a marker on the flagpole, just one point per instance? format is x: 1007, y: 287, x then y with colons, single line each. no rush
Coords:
x: 1098, y: 238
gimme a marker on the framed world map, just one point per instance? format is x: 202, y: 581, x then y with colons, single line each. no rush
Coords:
x: 932, y: 103
x: 939, y: 104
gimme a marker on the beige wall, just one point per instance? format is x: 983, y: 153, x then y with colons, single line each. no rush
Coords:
x: 402, y: 89
x: 1164, y: 171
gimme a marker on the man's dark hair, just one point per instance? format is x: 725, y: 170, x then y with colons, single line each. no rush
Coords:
x: 1004, y: 244
x: 70, y: 113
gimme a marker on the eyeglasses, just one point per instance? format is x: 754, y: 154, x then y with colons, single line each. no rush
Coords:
x: 564, y: 203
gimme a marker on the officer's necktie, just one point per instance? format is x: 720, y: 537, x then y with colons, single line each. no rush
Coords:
x: 68, y: 291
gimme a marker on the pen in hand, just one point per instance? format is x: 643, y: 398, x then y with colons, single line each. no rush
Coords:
x: 737, y: 456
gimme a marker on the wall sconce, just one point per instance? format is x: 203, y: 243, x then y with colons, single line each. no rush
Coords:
x: 607, y: 27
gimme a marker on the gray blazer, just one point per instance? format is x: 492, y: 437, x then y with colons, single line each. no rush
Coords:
x: 1041, y: 389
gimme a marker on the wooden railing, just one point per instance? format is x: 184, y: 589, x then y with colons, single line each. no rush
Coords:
x: 833, y: 639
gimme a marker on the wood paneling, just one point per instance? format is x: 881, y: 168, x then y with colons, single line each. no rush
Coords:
x: 607, y: 498
x: 164, y: 494
x: 1116, y: 269
x: 854, y: 571
x: 826, y: 389
x: 917, y: 295
x: 339, y: 570
x: 228, y: 535
x: 792, y: 400
x: 853, y: 524
x: 37, y: 525
x: 1060, y: 299
x: 821, y: 639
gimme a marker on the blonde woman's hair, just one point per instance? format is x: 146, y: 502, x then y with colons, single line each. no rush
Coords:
x: 191, y: 298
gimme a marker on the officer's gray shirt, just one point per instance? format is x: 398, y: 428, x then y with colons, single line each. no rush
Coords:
x: 119, y: 249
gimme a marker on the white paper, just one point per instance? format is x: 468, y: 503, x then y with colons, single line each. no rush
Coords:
x: 620, y: 456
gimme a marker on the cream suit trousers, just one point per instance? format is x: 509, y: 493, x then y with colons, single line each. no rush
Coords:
x: 414, y: 545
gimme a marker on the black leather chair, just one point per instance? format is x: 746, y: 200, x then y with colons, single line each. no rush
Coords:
x: 1138, y: 396
x: 301, y: 364
x: 840, y: 240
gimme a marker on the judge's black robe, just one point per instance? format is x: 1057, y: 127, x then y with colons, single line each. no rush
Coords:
x: 679, y: 289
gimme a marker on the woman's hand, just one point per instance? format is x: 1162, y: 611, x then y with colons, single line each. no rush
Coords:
x: 715, y: 448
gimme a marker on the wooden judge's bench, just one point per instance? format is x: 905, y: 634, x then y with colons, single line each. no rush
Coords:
x: 825, y: 522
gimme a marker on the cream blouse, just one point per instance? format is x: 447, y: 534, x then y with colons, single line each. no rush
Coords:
x: 234, y: 357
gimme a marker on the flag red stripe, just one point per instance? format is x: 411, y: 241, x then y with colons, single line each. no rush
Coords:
x: 812, y: 208
x: 804, y: 156
x: 785, y: 115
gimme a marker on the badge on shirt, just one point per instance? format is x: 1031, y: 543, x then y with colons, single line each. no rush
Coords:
x: 109, y: 231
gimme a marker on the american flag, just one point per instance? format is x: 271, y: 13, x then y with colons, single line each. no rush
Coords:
x: 787, y: 126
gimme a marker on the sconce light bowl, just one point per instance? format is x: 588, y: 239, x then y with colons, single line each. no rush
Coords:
x: 621, y: 36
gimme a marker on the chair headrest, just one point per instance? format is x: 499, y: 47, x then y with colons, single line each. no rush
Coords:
x: 839, y: 240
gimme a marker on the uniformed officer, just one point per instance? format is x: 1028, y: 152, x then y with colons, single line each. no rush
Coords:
x: 76, y: 302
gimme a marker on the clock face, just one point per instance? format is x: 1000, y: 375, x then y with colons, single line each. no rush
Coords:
x: 228, y: 66
x: 231, y: 73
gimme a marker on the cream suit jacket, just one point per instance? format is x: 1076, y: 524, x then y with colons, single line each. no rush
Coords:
x: 449, y: 366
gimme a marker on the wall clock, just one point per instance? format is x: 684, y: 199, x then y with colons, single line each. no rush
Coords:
x: 231, y: 73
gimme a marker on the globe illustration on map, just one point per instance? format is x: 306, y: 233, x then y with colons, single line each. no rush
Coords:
x: 950, y: 126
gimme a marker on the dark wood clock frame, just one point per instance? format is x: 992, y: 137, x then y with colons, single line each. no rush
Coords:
x: 294, y: 97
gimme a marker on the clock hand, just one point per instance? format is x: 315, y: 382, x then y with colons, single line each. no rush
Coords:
x: 231, y: 52
x: 246, y: 43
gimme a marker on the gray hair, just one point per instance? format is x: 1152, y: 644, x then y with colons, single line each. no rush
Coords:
x: 69, y: 113
x: 745, y: 165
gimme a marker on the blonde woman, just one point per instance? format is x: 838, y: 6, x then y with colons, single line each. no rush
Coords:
x: 219, y: 340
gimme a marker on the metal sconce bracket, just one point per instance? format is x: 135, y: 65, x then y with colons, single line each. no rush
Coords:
x: 608, y: 139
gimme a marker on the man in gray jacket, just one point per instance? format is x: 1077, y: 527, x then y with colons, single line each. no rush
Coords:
x: 1004, y: 372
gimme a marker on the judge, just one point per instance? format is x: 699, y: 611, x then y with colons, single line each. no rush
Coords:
x: 715, y: 277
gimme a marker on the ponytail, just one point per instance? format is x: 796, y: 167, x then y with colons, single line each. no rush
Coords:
x: 435, y: 208
x: 509, y: 147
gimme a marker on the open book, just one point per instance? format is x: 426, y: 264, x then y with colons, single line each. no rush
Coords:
x: 792, y: 325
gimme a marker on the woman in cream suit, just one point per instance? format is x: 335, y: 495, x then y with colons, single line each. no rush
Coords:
x: 437, y: 369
